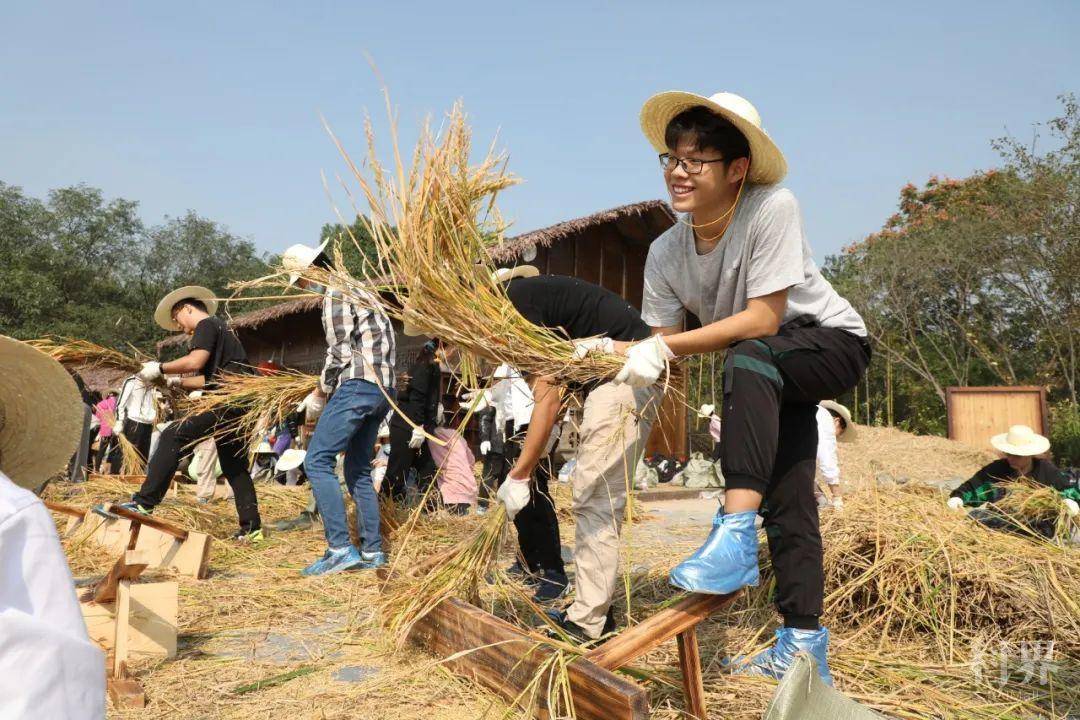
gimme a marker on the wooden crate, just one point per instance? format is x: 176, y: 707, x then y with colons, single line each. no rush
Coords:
x: 977, y: 413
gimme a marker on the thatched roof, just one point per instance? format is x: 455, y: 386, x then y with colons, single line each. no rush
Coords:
x: 254, y: 319
x: 101, y: 379
x: 654, y: 213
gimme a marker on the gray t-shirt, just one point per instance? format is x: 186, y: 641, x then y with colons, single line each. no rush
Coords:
x: 763, y: 250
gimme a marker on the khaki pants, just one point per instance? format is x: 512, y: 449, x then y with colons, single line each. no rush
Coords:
x: 614, y: 427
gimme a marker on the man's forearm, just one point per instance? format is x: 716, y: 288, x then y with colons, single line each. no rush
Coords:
x: 187, y: 364
x: 719, y: 335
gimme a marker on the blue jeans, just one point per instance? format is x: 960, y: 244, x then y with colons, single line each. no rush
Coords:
x: 349, y: 424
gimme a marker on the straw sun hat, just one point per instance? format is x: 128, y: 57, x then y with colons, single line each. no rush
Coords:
x: 290, y: 460
x: 163, y: 313
x: 848, y: 433
x: 767, y: 163
x: 41, y: 414
x: 500, y: 275
x: 1020, y: 440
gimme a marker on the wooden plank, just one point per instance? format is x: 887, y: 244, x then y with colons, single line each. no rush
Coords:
x: 690, y: 666
x: 146, y: 520
x: 126, y: 693
x: 122, y: 640
x: 976, y: 413
x: 661, y: 627
x: 506, y: 659
x: 127, y: 567
x: 153, y: 610
x: 189, y: 557
x: 65, y: 509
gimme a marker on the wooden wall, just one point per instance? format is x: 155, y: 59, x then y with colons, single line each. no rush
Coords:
x: 977, y: 413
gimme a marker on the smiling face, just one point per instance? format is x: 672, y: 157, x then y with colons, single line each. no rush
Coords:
x: 708, y: 159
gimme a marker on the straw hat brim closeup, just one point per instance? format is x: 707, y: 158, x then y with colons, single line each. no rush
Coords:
x: 1039, y: 445
x: 41, y: 414
x: 849, y: 432
x: 163, y: 313
x: 500, y: 275
x: 767, y: 163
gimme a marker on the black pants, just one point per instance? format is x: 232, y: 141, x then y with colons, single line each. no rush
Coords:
x: 175, y: 440
x: 495, y: 469
x: 139, y: 434
x: 404, y: 458
x: 769, y: 444
x: 108, y: 453
x: 537, y: 523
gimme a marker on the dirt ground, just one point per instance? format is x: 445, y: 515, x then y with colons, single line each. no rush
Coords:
x: 255, y: 619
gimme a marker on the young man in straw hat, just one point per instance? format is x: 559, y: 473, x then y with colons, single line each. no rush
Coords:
x: 357, y: 375
x: 738, y: 260
x: 1021, y: 447
x: 214, y: 349
x: 49, y: 668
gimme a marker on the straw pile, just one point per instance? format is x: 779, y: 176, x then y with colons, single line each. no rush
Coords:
x: 69, y: 351
x: 1030, y: 505
x: 263, y: 400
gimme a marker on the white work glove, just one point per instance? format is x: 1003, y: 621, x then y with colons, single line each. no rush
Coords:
x: 1071, y: 507
x: 955, y: 503
x: 440, y: 414
x: 479, y: 400
x: 644, y: 362
x: 417, y: 438
x: 150, y: 372
x: 838, y: 503
x: 597, y: 345
x: 194, y: 394
x: 312, y: 405
x: 514, y: 494
x: 173, y: 381
x: 485, y: 447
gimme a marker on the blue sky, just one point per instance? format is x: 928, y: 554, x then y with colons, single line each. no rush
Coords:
x: 214, y: 106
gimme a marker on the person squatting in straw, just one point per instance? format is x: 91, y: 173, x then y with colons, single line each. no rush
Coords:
x: 49, y: 668
x: 358, y: 370
x: 738, y: 260
x: 214, y: 349
x: 1021, y: 448
x: 615, y: 424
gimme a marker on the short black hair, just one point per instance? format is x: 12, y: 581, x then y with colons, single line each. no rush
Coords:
x: 197, y: 304
x: 704, y: 129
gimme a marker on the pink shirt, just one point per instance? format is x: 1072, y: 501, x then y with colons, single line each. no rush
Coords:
x: 455, y: 461
x: 106, y: 414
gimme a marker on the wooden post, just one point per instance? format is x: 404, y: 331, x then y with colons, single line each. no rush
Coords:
x: 690, y: 665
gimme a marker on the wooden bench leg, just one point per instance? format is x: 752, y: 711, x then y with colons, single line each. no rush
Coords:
x: 690, y: 665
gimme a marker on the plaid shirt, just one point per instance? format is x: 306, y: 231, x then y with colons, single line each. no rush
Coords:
x: 359, y: 343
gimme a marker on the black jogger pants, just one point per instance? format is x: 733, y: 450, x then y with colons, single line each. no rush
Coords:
x: 537, y: 523
x: 769, y: 444
x: 175, y: 440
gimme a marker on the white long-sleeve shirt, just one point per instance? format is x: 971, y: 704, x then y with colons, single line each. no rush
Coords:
x: 512, y: 398
x: 136, y: 402
x: 827, y: 460
x: 49, y: 668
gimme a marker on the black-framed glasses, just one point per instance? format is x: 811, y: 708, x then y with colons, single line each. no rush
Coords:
x: 689, y: 165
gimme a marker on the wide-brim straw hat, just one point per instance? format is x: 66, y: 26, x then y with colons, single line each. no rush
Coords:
x: 849, y: 432
x: 299, y: 257
x: 41, y: 414
x: 500, y: 275
x: 1020, y: 440
x: 290, y: 460
x: 163, y: 313
x: 767, y: 163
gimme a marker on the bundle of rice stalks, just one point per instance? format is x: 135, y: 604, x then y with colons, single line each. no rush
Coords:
x: 433, y: 222
x: 131, y: 460
x: 410, y: 594
x: 902, y: 568
x: 1030, y: 505
x: 69, y: 351
x: 262, y: 400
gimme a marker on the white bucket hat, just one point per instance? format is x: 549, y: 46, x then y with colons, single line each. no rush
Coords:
x: 767, y: 163
x: 1020, y: 440
x: 848, y: 433
x: 290, y: 459
x: 163, y: 313
x: 299, y: 257
x: 263, y: 448
x: 41, y: 414
x: 500, y: 275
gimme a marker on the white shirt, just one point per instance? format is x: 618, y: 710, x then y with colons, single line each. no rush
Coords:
x: 136, y: 402
x: 49, y: 668
x: 827, y: 460
x: 513, y: 399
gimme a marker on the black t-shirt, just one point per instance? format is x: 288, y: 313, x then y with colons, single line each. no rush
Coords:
x: 1043, y: 472
x: 420, y: 400
x: 226, y: 352
x: 576, y: 309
